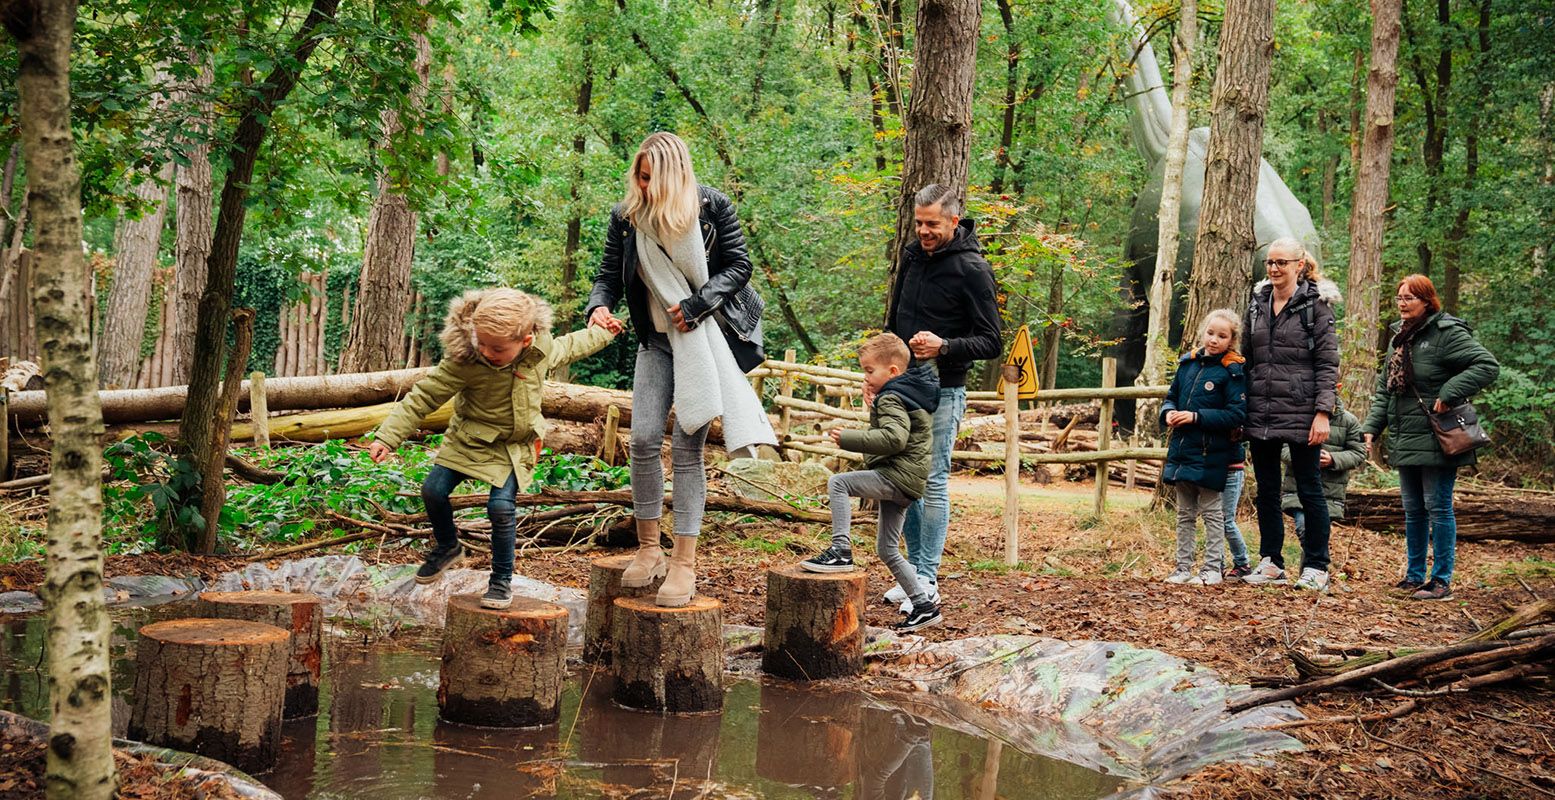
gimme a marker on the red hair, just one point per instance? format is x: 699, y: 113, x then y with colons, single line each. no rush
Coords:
x: 1421, y: 287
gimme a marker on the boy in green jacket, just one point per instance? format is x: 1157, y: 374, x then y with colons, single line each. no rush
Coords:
x: 1344, y: 452
x: 497, y: 352
x: 896, y: 452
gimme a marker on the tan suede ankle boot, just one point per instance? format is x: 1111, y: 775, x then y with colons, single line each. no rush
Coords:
x: 648, y: 563
x: 680, y: 584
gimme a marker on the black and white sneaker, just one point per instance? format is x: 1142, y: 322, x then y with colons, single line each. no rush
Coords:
x: 498, y: 595
x: 830, y: 560
x: 919, y: 617
x: 438, y: 562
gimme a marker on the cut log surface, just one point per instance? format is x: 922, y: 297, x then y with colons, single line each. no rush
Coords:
x: 604, y: 587
x: 215, y: 687
x: 814, y: 627
x: 668, y: 660
x: 503, y: 669
x: 299, y: 613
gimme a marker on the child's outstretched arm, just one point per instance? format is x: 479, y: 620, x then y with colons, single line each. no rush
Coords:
x: 887, y: 438
x: 429, y: 394
x: 1351, y: 452
x: 577, y: 345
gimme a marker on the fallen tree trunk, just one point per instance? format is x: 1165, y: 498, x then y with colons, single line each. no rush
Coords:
x: 1483, y: 513
x: 623, y: 497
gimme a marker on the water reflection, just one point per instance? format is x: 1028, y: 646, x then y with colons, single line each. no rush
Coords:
x: 638, y: 750
x: 896, y: 756
x: 808, y: 736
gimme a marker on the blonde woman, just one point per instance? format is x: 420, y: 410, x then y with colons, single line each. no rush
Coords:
x: 676, y: 253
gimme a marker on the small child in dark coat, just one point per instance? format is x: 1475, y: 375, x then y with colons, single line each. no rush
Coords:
x: 1206, y: 402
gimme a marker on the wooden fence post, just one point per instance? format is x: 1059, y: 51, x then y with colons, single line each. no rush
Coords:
x: 1109, y: 380
x: 607, y: 445
x: 785, y: 389
x: 5, y: 434
x: 1011, y: 465
x: 259, y: 409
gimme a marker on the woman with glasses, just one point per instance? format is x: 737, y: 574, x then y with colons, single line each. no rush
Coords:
x: 1292, y: 352
x: 1433, y: 361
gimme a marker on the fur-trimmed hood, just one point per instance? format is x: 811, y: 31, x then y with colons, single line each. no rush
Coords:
x: 458, y: 336
x: 1327, y: 290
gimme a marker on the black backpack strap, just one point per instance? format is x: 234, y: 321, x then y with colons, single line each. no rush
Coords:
x: 1307, y: 324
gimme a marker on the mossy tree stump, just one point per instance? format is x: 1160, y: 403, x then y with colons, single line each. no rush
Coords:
x: 604, y: 587
x: 215, y: 687
x: 503, y: 668
x: 813, y: 624
x: 807, y: 736
x: 300, y: 613
x: 668, y: 660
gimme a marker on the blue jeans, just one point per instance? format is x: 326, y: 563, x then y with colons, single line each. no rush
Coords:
x: 928, y: 518
x: 1229, y: 499
x: 1309, y: 487
x: 1429, y: 518
x: 500, y: 509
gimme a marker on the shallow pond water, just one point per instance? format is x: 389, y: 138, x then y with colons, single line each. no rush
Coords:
x: 378, y: 737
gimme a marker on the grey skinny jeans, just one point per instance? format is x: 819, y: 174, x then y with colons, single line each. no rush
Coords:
x: 893, y: 510
x: 653, y: 392
x: 1194, y: 502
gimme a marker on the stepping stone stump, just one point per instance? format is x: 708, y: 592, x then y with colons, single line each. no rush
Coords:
x: 668, y: 660
x: 301, y: 614
x: 807, y: 736
x: 604, y: 587
x: 215, y: 687
x: 503, y: 668
x: 814, y: 624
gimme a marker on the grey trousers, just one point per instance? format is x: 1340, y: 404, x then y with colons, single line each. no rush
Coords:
x: 1194, y: 502
x: 893, y: 511
x: 653, y: 392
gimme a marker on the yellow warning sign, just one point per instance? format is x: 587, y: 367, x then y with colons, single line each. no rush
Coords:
x: 1022, y: 358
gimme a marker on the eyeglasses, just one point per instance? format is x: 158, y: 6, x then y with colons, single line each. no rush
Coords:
x: 1406, y: 298
x: 1282, y: 263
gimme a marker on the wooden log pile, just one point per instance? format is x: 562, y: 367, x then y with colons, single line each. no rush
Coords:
x: 1484, y: 512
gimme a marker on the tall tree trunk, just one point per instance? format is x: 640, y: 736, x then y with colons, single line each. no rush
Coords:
x: 197, y: 428
x: 1357, y: 101
x: 135, y: 246
x: 1223, y: 252
x: 80, y: 752
x: 574, y: 235
x: 383, y: 294
x: 1433, y: 100
x: 763, y: 51
x: 938, y: 143
x: 1330, y: 170
x: 1052, y: 335
x: 1158, y: 350
x: 193, y: 248
x: 1452, y: 248
x: 1358, y: 343
x: 1001, y: 162
x: 1541, y: 248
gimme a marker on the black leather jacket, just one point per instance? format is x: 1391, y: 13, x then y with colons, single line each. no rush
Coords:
x: 726, y: 297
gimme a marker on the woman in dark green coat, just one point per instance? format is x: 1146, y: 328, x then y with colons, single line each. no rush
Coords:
x: 1434, y: 362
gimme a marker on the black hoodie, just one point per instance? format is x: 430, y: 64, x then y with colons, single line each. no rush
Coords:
x: 950, y: 293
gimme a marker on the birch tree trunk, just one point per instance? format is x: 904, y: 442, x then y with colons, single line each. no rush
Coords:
x: 80, y: 752
x: 193, y: 247
x: 383, y: 293
x: 135, y: 246
x: 938, y: 141
x: 1223, y: 252
x: 1358, y: 339
x: 1157, y: 348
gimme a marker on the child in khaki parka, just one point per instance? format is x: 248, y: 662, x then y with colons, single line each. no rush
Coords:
x: 497, y: 352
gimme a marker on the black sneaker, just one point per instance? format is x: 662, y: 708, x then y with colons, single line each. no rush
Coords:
x: 919, y: 617
x: 499, y: 594
x: 1407, y: 585
x: 1434, y: 590
x: 830, y: 560
x: 438, y: 562
x: 1238, y: 573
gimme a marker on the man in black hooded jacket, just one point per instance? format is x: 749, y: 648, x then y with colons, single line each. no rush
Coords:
x: 945, y: 308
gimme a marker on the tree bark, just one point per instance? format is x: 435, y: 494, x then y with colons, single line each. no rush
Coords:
x: 384, y: 290
x: 80, y: 754
x: 1223, y: 252
x: 213, y: 490
x: 1012, y: 51
x: 503, y: 669
x: 1358, y: 342
x: 135, y: 246
x: 1158, y: 352
x: 668, y: 660
x: 198, y: 429
x: 298, y: 613
x: 604, y: 587
x: 573, y: 239
x: 938, y: 144
x: 1433, y: 101
x: 1330, y: 171
x: 813, y: 629
x: 1452, y: 248
x: 193, y: 248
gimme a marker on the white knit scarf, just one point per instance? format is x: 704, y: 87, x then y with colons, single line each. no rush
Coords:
x: 673, y: 271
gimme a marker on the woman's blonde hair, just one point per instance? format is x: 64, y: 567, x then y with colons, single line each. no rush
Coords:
x: 671, y: 203
x: 510, y: 313
x: 1233, y: 322
x: 1310, y: 269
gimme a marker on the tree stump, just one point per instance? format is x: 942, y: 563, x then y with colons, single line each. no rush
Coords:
x: 503, y: 668
x: 668, y: 659
x: 807, y: 736
x: 301, y: 614
x: 813, y: 628
x: 215, y: 687
x: 604, y: 587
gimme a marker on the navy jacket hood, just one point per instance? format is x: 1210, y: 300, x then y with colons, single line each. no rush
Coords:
x: 918, y: 388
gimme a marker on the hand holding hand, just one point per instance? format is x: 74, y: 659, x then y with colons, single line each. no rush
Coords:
x: 836, y: 435
x: 604, y: 319
x: 379, y: 452
x: 925, y: 344
x: 1325, y: 459
x: 679, y: 318
x: 1319, y: 433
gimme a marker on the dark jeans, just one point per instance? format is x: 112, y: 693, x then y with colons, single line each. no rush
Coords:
x: 1429, y: 520
x: 500, y: 509
x: 1305, y: 467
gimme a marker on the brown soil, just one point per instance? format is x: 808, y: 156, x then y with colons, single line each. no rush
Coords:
x: 1086, y: 579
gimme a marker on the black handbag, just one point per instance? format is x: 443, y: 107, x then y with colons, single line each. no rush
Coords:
x: 1457, y: 429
